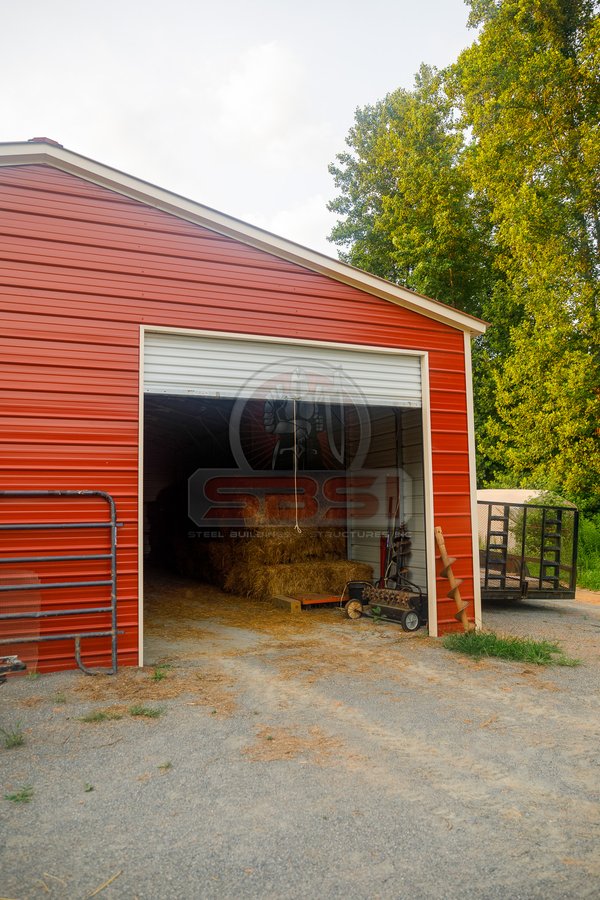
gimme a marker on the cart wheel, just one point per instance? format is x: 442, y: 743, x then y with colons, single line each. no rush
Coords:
x: 353, y: 609
x: 410, y: 620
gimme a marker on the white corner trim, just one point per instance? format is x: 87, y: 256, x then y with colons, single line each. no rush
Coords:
x: 473, y: 482
x: 36, y: 153
x: 432, y: 610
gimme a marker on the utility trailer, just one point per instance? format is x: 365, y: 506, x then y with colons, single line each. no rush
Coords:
x: 527, y: 550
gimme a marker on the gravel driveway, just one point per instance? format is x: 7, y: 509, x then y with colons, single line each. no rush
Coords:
x: 307, y: 757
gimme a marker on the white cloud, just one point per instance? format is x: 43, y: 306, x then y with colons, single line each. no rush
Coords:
x: 263, y: 109
x: 240, y: 106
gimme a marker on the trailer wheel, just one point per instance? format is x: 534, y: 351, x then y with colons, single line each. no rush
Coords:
x: 410, y: 620
x: 353, y: 609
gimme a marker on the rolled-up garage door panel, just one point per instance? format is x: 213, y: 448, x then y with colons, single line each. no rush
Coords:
x: 215, y: 366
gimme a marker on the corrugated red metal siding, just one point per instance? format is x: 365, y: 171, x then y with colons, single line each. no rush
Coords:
x: 81, y: 267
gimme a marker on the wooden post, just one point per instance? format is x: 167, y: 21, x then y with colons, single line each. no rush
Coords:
x: 454, y: 592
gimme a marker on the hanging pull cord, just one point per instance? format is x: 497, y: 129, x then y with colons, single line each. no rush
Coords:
x: 297, y: 525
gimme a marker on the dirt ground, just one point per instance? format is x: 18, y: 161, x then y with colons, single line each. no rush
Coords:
x: 308, y: 755
x: 584, y: 596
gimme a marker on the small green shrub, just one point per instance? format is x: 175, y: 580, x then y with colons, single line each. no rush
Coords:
x: 160, y: 672
x: 12, y: 737
x: 148, y: 712
x: 23, y: 795
x: 485, y: 643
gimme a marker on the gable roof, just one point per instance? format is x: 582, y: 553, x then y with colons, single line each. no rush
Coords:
x: 42, y: 151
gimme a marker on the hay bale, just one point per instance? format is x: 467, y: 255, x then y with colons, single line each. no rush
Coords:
x: 271, y: 561
x: 280, y: 546
x: 270, y: 547
x: 273, y: 543
x: 221, y: 557
x: 262, y: 582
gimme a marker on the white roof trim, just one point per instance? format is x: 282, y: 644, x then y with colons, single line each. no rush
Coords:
x: 41, y: 153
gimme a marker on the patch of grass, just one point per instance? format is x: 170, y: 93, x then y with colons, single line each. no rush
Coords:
x: 23, y: 795
x: 33, y: 675
x: 59, y: 698
x: 164, y: 767
x: 88, y: 787
x: 148, y: 712
x: 485, y: 643
x: 589, y: 579
x: 12, y: 737
x: 588, y: 561
x: 100, y: 715
x: 160, y: 672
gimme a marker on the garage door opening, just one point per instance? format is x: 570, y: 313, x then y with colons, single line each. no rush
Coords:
x: 293, y: 486
x: 267, y: 530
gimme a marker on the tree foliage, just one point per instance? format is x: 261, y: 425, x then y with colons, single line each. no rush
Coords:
x: 409, y: 214
x: 481, y: 187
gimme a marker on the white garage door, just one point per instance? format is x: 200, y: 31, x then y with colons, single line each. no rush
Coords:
x: 214, y: 366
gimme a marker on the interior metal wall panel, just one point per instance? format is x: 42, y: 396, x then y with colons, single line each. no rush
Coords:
x: 82, y: 267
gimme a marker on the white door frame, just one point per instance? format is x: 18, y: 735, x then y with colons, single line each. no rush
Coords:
x: 294, y: 342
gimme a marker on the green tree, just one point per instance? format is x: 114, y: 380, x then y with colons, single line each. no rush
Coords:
x: 408, y: 212
x: 528, y: 90
x: 481, y: 187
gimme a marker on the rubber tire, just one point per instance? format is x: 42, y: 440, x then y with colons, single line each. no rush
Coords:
x: 410, y: 620
x: 353, y: 609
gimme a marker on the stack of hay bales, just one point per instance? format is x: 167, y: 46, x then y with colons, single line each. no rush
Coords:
x: 260, y: 561
x: 283, y: 561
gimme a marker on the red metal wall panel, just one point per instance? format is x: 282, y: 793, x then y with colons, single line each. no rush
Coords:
x: 82, y: 267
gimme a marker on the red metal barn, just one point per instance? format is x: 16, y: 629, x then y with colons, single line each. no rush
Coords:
x: 130, y: 312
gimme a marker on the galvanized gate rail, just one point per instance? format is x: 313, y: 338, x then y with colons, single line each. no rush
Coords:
x: 111, y: 582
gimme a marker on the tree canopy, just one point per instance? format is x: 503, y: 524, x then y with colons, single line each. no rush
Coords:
x: 481, y: 187
x: 409, y: 212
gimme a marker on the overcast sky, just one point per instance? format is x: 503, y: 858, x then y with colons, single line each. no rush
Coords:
x: 238, y: 105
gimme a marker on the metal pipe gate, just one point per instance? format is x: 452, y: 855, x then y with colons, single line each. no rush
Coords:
x: 110, y: 582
